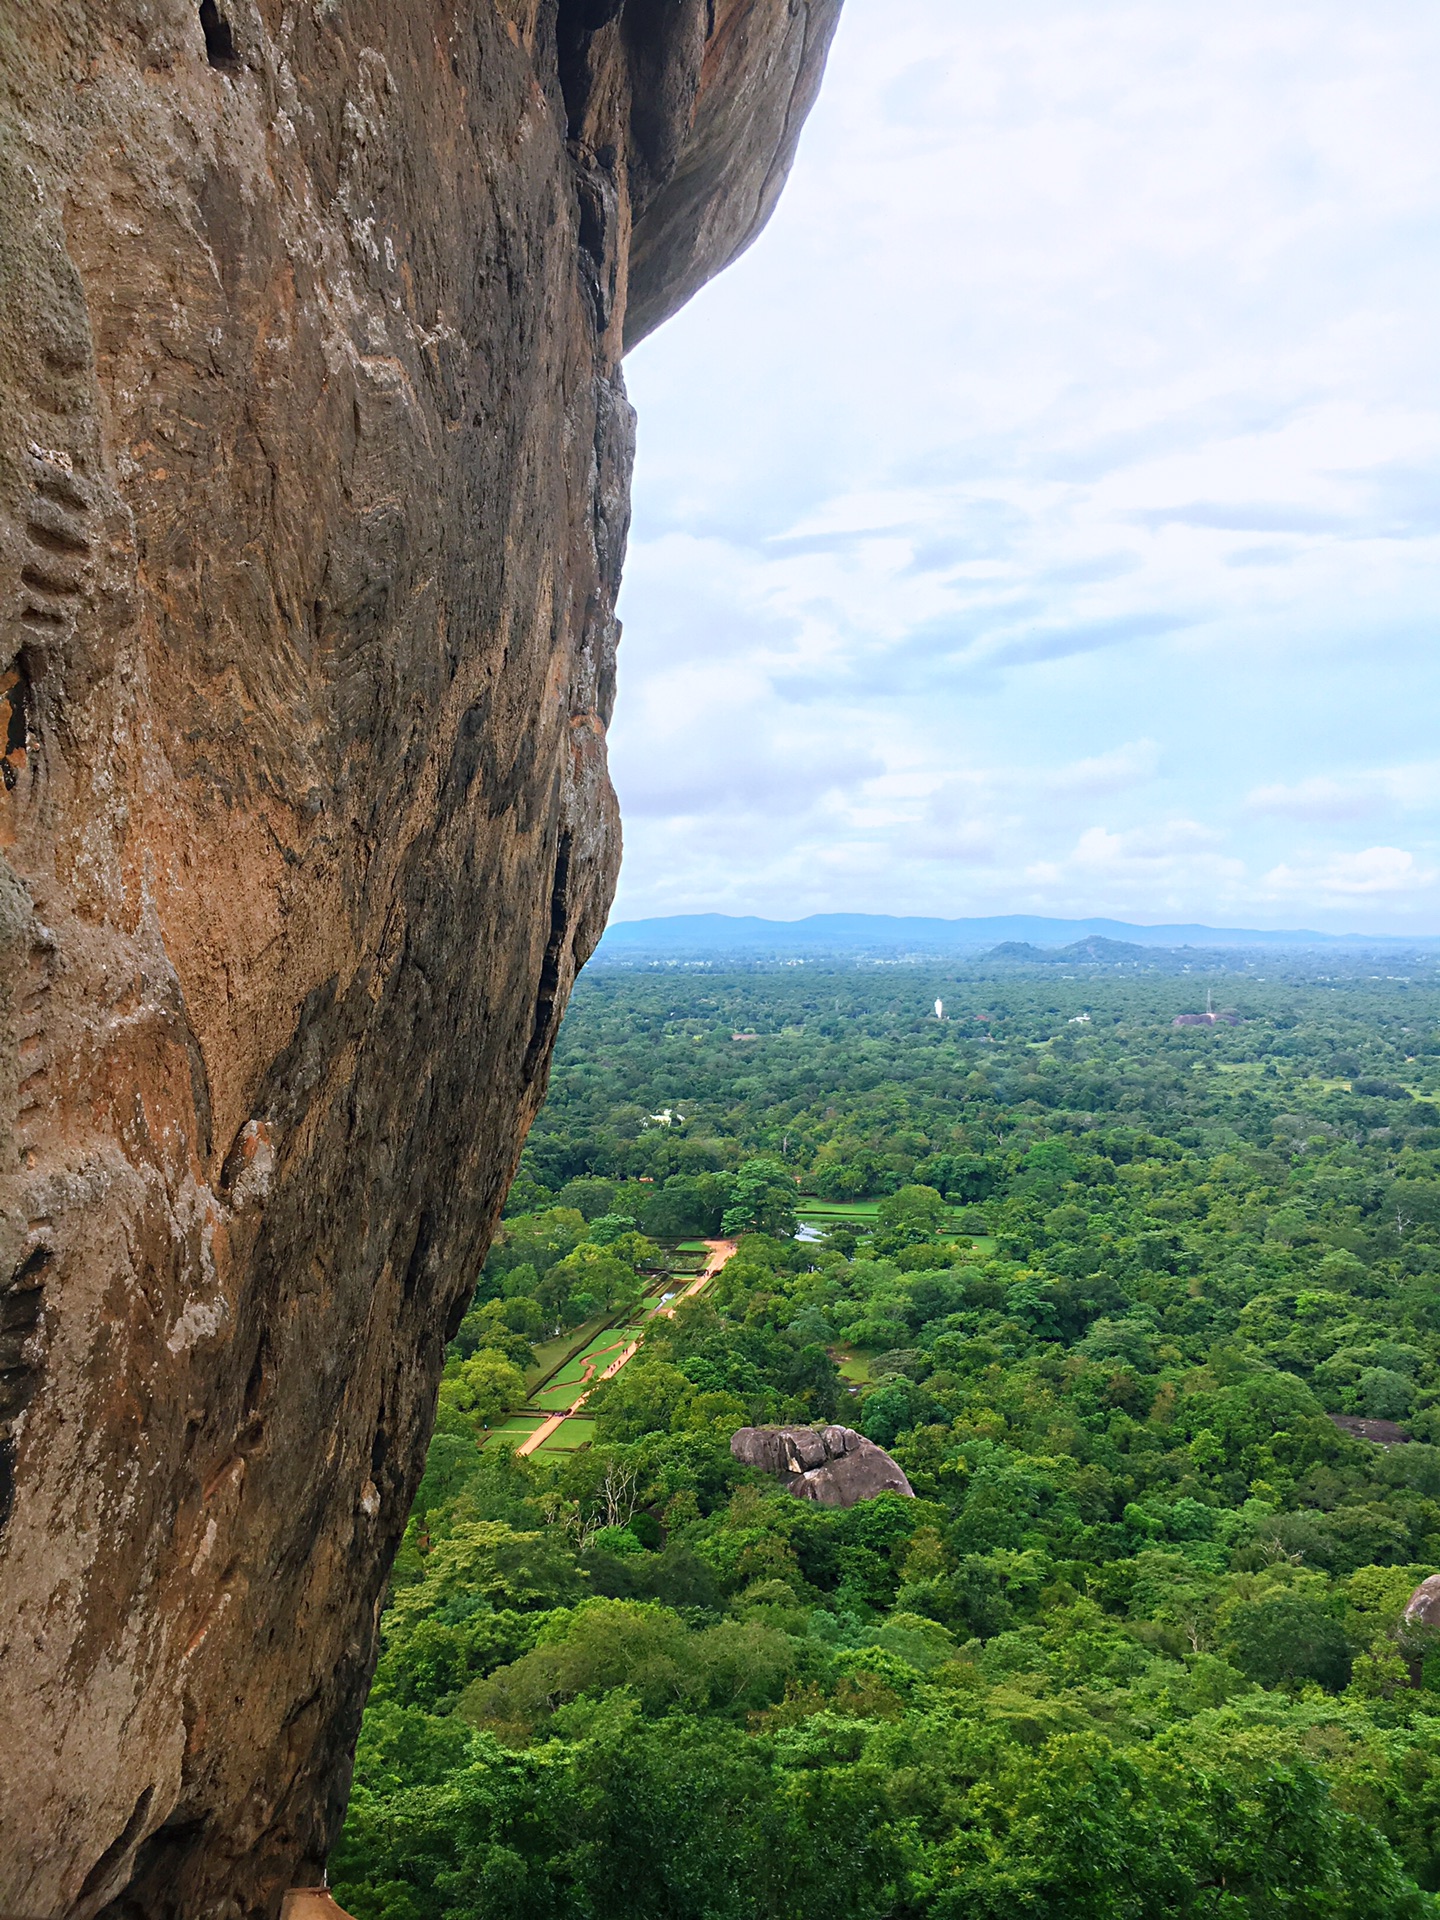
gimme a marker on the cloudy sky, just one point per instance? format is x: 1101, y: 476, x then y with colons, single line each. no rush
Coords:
x: 1044, y: 515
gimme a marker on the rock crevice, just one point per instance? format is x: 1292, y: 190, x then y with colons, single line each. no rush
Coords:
x: 314, y: 464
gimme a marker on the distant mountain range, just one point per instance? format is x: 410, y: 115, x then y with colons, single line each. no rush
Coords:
x: 701, y: 935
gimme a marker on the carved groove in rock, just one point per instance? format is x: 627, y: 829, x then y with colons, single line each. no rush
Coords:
x: 312, y: 508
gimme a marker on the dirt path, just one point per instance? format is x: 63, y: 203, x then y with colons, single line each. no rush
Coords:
x: 720, y: 1252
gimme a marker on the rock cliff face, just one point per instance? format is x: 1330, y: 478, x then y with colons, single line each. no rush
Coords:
x: 312, y: 509
x: 833, y: 1466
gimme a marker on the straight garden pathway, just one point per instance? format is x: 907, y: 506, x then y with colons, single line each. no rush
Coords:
x: 720, y: 1252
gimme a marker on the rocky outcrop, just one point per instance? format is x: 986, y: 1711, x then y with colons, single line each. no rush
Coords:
x: 312, y: 510
x: 1419, y: 1631
x: 1380, y: 1433
x: 833, y: 1466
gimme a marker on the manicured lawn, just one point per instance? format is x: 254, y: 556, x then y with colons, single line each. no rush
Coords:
x: 573, y: 1371
x: 551, y: 1354
x: 569, y: 1436
x: 570, y: 1375
x: 557, y: 1396
x: 837, y: 1209
x: 515, y: 1428
x: 854, y: 1367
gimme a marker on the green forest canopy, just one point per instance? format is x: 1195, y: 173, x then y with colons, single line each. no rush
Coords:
x: 1135, y: 1649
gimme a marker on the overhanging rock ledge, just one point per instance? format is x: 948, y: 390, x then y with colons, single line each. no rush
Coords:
x: 313, y: 499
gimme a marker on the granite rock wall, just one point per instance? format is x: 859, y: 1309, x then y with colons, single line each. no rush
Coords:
x: 314, y: 459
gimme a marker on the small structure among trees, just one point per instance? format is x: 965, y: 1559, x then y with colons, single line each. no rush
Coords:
x: 1210, y: 1018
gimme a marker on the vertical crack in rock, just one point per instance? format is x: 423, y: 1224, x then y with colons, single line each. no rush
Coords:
x: 314, y: 469
x: 219, y: 37
x: 21, y: 1301
x: 547, y: 1009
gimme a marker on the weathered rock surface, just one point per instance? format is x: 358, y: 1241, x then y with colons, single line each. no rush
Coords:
x: 833, y: 1466
x: 1420, y: 1626
x: 1381, y: 1433
x: 312, y: 509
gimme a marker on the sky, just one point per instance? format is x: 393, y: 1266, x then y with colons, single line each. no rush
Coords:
x: 1044, y: 514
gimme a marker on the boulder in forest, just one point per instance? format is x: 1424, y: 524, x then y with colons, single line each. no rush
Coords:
x: 1422, y: 1609
x: 833, y: 1466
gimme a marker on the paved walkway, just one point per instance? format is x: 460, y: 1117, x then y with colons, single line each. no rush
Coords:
x: 720, y: 1252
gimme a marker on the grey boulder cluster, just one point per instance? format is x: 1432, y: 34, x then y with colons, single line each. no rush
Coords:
x: 833, y: 1466
x: 1419, y: 1627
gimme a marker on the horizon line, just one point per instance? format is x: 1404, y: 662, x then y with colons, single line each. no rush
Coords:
x: 1305, y: 934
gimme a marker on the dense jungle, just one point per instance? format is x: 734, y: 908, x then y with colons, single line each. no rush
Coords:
x: 1149, y: 1314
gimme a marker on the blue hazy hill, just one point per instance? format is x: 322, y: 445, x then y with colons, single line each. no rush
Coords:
x: 703, y: 934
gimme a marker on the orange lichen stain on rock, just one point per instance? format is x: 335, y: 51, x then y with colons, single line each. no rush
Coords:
x: 14, y: 753
x: 256, y: 1144
x: 12, y: 725
x: 311, y: 1903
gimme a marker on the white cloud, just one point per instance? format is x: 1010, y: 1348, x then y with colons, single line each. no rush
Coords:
x: 1351, y: 875
x: 1130, y: 765
x: 1318, y: 798
x: 1166, y: 861
x: 1350, y: 797
x: 1064, y: 460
